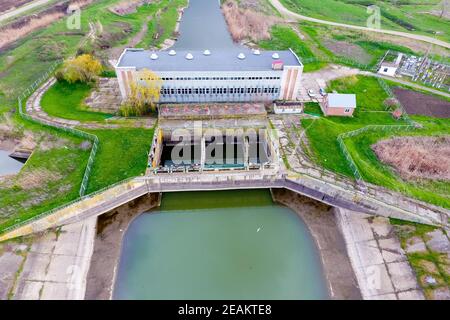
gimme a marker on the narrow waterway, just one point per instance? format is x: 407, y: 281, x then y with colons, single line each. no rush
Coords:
x: 8, y: 165
x: 203, y: 27
x: 219, y: 245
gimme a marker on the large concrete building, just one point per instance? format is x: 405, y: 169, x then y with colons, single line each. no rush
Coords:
x: 236, y: 75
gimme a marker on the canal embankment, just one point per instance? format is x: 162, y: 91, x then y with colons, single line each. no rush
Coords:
x: 322, y: 223
x: 52, y: 265
x: 111, y: 228
x: 380, y: 264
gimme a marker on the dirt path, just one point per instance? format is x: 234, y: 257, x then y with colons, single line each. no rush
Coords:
x: 115, y: 52
x: 292, y: 15
x: 24, y: 8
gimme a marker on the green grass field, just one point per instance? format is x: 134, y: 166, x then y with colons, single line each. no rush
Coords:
x: 313, y: 108
x: 51, y: 176
x: 374, y: 171
x: 283, y: 38
x: 322, y: 135
x: 31, y: 56
x: 123, y: 153
x: 65, y: 100
x: 357, y: 49
x: 164, y: 25
x: 410, y: 16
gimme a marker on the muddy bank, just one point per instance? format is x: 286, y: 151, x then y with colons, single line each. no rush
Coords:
x: 322, y: 224
x: 108, y: 243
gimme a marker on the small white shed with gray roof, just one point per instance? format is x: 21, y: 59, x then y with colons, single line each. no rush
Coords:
x: 339, y: 104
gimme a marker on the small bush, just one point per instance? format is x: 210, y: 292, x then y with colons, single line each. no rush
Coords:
x: 108, y: 74
x: 84, y: 68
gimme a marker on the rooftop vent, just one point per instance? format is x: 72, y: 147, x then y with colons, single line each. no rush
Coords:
x: 153, y: 56
x: 207, y: 52
x: 256, y: 52
x: 275, y: 56
x: 241, y: 56
x: 172, y: 52
x: 189, y: 56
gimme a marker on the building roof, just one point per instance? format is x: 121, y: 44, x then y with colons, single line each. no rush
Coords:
x: 336, y: 100
x: 220, y: 60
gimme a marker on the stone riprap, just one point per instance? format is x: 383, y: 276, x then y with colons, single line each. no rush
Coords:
x: 379, y: 262
x: 56, y: 264
x: 106, y: 97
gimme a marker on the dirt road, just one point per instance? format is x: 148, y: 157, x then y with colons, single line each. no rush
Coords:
x: 24, y: 8
x: 295, y: 16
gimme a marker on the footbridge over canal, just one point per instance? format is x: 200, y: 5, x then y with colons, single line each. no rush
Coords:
x: 331, y: 194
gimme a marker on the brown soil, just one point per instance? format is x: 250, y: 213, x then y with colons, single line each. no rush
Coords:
x: 422, y: 104
x: 348, y: 50
x: 6, y: 5
x: 417, y: 157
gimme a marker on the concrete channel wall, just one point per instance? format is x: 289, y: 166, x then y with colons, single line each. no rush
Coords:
x: 316, y: 189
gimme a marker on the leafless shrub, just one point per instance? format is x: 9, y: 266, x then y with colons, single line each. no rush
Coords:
x: 246, y: 23
x: 417, y: 157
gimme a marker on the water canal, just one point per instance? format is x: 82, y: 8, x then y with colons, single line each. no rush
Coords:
x: 8, y: 165
x: 218, y: 245
x: 203, y: 27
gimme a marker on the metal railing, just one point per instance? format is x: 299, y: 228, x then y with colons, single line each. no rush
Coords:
x: 65, y: 205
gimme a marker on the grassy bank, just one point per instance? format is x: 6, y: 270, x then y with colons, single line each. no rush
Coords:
x: 66, y: 100
x: 362, y: 49
x: 322, y: 135
x: 123, y: 153
x: 51, y: 176
x: 411, y: 16
x: 374, y: 171
x: 283, y: 38
x: 161, y: 27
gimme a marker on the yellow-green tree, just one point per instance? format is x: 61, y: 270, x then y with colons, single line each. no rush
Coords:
x: 83, y: 68
x: 144, y: 93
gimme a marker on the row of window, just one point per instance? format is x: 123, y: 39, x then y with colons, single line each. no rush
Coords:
x: 167, y: 91
x: 219, y: 78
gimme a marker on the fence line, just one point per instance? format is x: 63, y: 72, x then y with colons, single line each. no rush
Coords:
x: 93, y: 138
x: 65, y: 205
x: 356, y: 132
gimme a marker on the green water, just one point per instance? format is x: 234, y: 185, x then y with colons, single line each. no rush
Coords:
x: 219, y: 245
